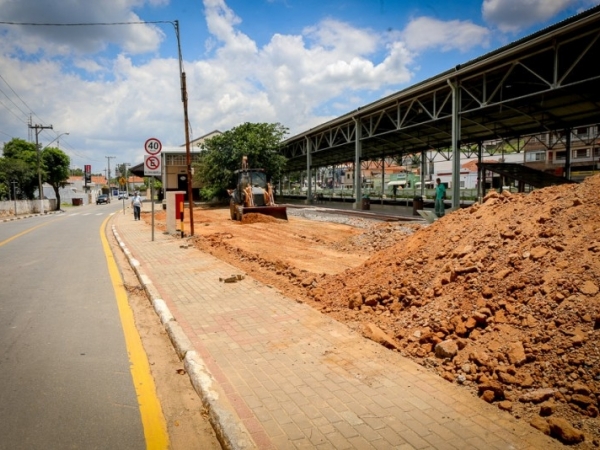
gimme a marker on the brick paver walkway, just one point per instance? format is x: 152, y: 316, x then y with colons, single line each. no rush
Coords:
x: 297, y: 379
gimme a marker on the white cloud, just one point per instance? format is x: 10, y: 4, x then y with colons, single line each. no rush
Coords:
x: 111, y: 103
x: 88, y: 65
x: 425, y: 33
x: 62, y: 40
x: 341, y: 38
x: 292, y: 75
x: 514, y: 15
x: 221, y: 21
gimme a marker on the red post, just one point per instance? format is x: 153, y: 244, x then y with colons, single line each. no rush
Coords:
x: 179, y: 210
x: 181, y: 218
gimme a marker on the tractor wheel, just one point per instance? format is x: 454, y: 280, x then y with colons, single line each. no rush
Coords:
x: 240, y: 212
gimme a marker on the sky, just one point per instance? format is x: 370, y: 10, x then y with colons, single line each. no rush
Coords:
x: 107, y: 72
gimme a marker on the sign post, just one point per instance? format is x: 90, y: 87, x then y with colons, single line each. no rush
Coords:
x: 152, y: 167
x: 122, y: 183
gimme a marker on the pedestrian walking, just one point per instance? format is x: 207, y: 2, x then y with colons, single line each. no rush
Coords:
x: 440, y: 196
x: 136, y: 203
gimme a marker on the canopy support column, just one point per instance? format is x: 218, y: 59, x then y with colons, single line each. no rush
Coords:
x: 357, y: 174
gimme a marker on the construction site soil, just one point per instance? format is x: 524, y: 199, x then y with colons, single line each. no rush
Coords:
x: 501, y: 298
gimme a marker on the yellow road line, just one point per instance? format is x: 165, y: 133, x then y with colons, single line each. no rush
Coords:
x: 22, y: 233
x: 153, y: 421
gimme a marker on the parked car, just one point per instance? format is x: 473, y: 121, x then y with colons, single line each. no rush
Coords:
x: 102, y: 199
x: 123, y: 195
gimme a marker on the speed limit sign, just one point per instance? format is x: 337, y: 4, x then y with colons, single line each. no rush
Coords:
x: 153, y: 146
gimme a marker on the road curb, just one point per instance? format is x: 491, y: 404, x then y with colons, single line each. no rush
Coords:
x: 27, y: 216
x: 229, y: 429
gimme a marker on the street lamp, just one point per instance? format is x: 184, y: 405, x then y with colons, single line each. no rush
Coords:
x: 58, y: 139
x: 55, y: 139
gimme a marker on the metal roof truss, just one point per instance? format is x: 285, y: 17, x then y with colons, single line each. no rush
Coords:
x: 546, y: 83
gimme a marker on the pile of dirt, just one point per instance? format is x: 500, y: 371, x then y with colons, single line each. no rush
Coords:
x: 258, y: 218
x: 502, y: 297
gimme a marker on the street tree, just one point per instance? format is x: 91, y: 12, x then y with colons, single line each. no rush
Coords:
x: 56, y: 164
x: 222, y: 155
x: 19, y: 163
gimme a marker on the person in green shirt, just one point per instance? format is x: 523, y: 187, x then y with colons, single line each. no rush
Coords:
x: 440, y: 195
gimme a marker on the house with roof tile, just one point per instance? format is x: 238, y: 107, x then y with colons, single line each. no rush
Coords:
x: 75, y: 189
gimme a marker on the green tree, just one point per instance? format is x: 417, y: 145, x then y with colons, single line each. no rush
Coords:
x: 222, y: 155
x: 19, y: 164
x: 55, y: 165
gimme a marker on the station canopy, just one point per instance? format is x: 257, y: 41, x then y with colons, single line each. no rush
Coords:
x: 545, y: 82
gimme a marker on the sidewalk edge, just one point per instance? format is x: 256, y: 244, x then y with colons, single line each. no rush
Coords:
x: 230, y: 432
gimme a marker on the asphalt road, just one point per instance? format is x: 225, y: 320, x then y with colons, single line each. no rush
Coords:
x: 65, y: 379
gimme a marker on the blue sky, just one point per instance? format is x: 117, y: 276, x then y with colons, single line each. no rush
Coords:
x: 297, y: 62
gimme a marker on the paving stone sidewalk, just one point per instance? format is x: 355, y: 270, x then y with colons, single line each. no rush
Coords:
x: 292, y: 378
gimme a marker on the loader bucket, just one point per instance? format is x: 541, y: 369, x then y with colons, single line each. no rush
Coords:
x: 279, y: 212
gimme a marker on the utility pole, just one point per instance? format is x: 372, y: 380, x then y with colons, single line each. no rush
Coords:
x: 14, y: 183
x: 184, y: 100
x: 38, y: 129
x: 125, y: 165
x: 109, y: 191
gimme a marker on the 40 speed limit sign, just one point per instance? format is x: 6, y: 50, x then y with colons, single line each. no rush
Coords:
x: 153, y: 146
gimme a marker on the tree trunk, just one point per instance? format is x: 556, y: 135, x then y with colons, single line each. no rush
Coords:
x: 56, y: 192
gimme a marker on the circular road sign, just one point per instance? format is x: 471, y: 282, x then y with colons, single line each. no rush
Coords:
x: 153, y: 163
x: 153, y: 146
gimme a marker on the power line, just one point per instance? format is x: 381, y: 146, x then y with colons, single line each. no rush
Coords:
x: 17, y: 106
x: 22, y: 101
x: 11, y: 111
x: 6, y: 134
x: 80, y: 24
x: 85, y: 24
x: 187, y: 127
x: 17, y: 95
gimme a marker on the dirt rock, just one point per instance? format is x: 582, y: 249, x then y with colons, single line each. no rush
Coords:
x: 446, y: 349
x: 541, y: 424
x: 374, y: 333
x: 505, y: 405
x: 516, y: 353
x: 564, y: 431
x: 537, y: 396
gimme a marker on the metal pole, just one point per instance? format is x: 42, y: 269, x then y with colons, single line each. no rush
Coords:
x: 109, y: 189
x: 14, y: 183
x: 187, y: 130
x: 152, y: 202
x: 126, y: 179
x: 40, y: 191
x: 382, y: 177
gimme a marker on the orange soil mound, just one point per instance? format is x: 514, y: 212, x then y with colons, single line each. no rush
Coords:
x: 502, y: 297
x: 257, y: 218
